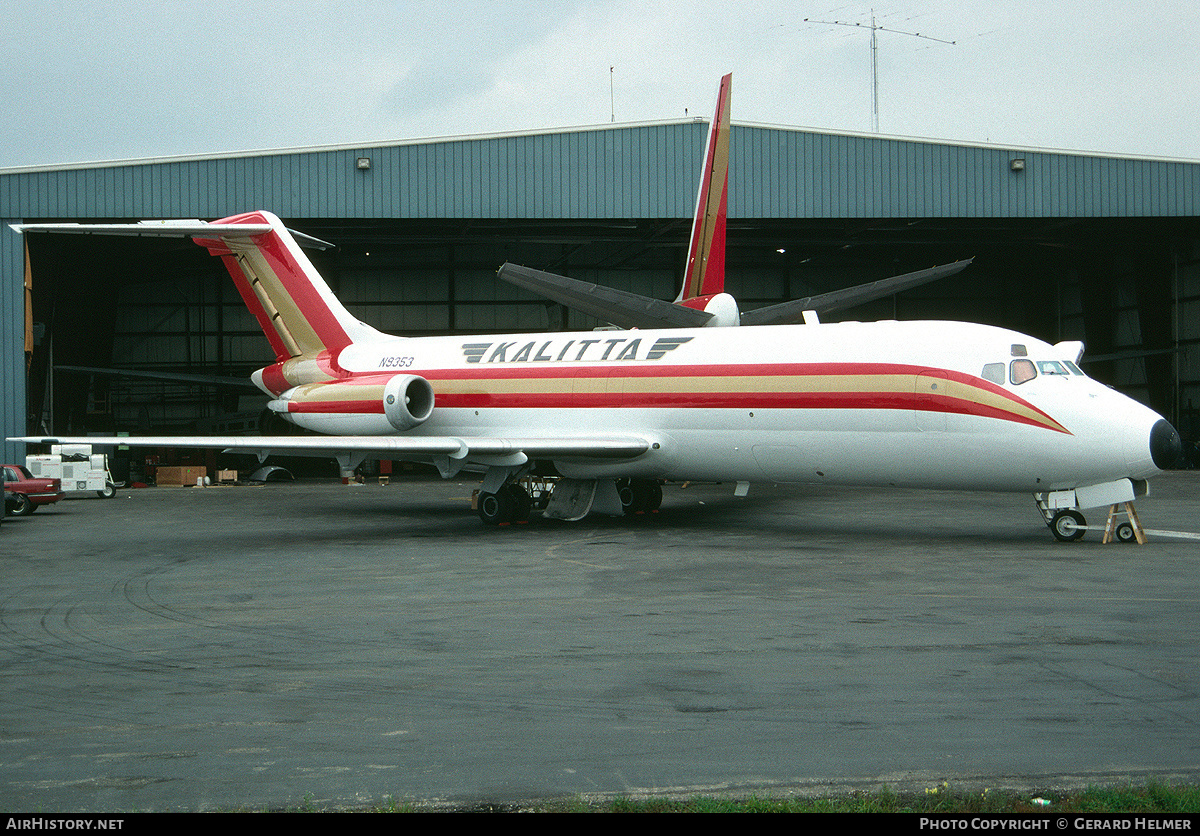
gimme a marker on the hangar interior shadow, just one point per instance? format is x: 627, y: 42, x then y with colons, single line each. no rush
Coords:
x: 1128, y: 288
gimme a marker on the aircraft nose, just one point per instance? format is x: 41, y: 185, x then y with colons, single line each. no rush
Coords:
x: 1165, y: 446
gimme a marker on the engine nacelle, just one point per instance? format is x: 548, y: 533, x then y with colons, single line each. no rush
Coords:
x: 407, y: 401
x: 362, y: 406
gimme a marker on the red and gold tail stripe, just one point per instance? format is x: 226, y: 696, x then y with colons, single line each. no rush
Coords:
x: 274, y: 283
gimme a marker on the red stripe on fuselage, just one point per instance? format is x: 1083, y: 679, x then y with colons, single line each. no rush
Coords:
x: 711, y: 397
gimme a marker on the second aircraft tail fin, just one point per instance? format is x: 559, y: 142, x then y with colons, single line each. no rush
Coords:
x: 705, y: 274
x: 702, y: 299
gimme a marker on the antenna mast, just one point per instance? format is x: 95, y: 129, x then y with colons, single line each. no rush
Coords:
x: 612, y: 102
x: 875, y: 28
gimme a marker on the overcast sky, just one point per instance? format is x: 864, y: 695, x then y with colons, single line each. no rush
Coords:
x: 133, y: 79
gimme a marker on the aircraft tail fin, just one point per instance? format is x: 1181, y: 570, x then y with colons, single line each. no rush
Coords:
x: 705, y: 274
x: 702, y: 299
x: 294, y: 306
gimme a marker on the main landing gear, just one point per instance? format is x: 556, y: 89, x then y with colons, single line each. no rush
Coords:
x: 513, y: 502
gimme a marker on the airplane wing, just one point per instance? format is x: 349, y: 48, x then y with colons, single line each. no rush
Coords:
x: 788, y: 312
x: 613, y: 447
x: 619, y: 307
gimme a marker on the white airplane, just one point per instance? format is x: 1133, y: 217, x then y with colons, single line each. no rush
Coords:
x: 618, y: 412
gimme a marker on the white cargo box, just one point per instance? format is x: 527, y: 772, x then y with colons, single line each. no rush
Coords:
x: 44, y: 467
x: 96, y: 480
x: 81, y: 476
x: 74, y: 470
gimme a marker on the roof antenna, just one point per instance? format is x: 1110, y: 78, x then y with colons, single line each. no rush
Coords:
x: 874, y: 56
x: 611, y: 101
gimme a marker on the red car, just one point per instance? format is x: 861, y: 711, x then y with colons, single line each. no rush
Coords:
x: 24, y: 492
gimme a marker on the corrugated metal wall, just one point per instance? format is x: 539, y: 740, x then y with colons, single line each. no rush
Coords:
x: 12, y: 338
x: 630, y: 172
x: 617, y: 173
x: 798, y: 174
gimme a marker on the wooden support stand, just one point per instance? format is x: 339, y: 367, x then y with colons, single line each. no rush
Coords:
x: 1113, y: 525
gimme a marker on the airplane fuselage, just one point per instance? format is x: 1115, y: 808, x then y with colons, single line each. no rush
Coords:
x: 918, y: 404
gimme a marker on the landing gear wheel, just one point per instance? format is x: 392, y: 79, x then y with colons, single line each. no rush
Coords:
x: 1125, y: 533
x: 495, y: 508
x: 639, y: 496
x: 510, y: 504
x: 22, y: 507
x: 1067, y: 526
x: 625, y: 493
x: 522, y: 502
x: 652, y: 496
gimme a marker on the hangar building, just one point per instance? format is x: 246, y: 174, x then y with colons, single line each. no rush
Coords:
x: 1105, y: 249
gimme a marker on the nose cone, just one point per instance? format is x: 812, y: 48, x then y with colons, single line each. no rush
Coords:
x: 1165, y: 447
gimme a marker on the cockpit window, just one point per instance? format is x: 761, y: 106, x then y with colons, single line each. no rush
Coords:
x: 1074, y: 369
x: 1021, y: 371
x: 994, y: 372
x: 1052, y: 367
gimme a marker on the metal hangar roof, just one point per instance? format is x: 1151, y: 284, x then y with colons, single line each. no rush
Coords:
x: 627, y: 171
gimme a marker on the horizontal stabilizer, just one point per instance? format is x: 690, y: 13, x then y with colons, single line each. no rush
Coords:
x: 212, y: 380
x: 172, y: 229
x: 294, y: 306
x: 789, y: 312
x: 619, y: 307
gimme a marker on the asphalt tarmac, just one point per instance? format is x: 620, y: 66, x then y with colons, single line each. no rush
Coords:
x: 340, y: 647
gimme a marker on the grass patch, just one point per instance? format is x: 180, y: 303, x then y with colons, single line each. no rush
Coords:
x: 943, y: 799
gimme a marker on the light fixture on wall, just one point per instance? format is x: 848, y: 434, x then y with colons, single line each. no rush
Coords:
x: 1018, y: 164
x: 362, y: 163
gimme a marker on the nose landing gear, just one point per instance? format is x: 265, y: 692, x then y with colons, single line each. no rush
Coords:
x: 1068, y: 525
